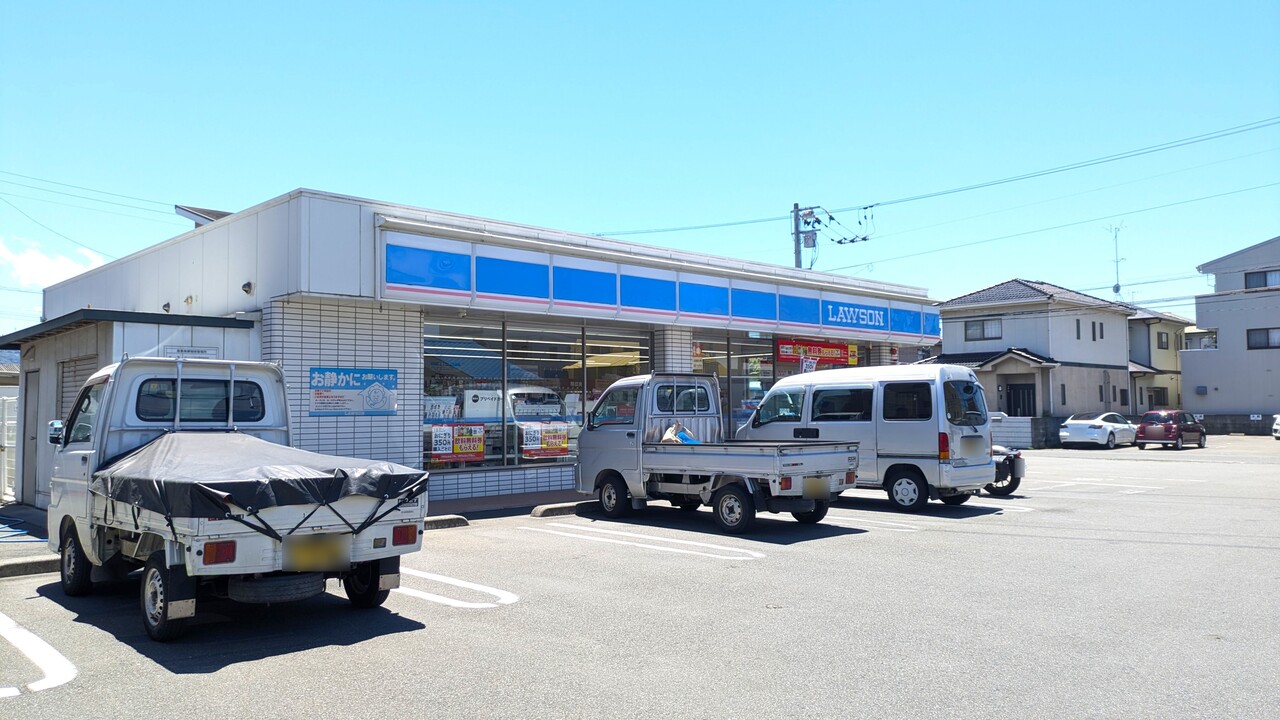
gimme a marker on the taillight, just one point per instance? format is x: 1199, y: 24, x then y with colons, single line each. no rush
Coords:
x: 850, y: 477
x: 1095, y: 427
x: 217, y: 553
x: 404, y: 535
x: 944, y: 447
x: 785, y: 483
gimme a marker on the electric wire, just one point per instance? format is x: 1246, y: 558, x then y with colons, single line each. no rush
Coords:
x: 55, y: 232
x: 86, y: 189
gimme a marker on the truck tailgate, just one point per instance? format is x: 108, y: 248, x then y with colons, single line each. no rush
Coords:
x: 753, y: 459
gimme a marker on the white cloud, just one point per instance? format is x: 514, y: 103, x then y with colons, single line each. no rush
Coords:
x: 28, y: 267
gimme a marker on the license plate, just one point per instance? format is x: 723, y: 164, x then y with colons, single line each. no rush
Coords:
x: 816, y: 488
x: 316, y: 553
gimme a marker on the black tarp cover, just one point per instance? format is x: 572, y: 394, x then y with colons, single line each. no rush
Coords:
x: 196, y: 474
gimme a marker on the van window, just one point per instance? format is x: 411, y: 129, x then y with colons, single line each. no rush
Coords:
x: 682, y: 398
x: 202, y: 401
x: 965, y: 403
x: 780, y: 406
x: 908, y: 401
x: 841, y: 404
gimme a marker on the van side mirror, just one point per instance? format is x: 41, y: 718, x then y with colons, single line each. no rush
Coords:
x: 55, y: 432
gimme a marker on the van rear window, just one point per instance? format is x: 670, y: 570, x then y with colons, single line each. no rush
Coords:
x: 202, y: 401
x: 965, y: 403
x: 908, y: 401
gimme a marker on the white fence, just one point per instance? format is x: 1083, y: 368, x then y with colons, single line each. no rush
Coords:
x: 8, y: 447
x: 1014, y: 432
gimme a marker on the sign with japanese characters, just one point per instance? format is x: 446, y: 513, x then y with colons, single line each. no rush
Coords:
x: 820, y: 352
x: 353, y: 391
x: 457, y: 443
x: 549, y: 439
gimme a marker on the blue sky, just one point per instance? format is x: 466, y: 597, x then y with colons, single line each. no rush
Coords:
x: 612, y: 117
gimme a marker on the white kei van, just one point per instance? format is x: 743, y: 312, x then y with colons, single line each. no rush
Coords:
x: 923, y: 429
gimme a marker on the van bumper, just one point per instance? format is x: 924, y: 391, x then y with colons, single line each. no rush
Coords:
x: 969, y: 477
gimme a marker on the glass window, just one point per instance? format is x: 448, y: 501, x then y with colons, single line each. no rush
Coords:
x: 1124, y: 397
x: 681, y: 398
x: 462, y: 385
x: 203, y: 401
x: 544, y: 364
x: 982, y: 329
x: 842, y: 404
x: 781, y: 406
x: 617, y: 407
x: 752, y: 375
x: 1162, y: 340
x: 1263, y: 338
x: 964, y: 402
x: 84, y: 414
x: 1265, y: 278
x: 908, y: 401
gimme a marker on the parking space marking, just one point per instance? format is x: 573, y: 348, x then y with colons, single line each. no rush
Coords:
x: 503, y: 597
x: 57, y: 669
x: 740, y: 553
x: 859, y: 521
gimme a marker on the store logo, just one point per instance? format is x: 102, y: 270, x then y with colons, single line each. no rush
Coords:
x: 855, y: 316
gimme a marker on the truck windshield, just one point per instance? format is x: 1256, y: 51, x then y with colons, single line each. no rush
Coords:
x: 965, y: 403
x: 780, y: 406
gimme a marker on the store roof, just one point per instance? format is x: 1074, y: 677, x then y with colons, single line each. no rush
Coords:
x: 88, y: 316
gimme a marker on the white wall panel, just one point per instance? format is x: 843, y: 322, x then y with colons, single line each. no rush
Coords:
x: 242, y: 265
x: 333, y: 250
x: 213, y: 267
x: 191, y: 276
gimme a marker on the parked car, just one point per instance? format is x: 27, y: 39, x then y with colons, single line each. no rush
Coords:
x: 1171, y: 428
x: 1097, y: 428
x: 1275, y: 428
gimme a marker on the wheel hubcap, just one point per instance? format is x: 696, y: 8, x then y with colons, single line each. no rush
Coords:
x: 153, y: 597
x: 905, y: 491
x: 731, y: 510
x: 69, y: 560
x: 609, y: 497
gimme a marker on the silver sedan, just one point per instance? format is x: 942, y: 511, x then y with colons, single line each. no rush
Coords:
x: 1097, y: 428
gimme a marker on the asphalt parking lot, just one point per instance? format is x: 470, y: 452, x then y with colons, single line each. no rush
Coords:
x: 1113, y: 583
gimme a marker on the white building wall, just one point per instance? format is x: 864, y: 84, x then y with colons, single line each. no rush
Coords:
x: 1236, y: 380
x: 301, y: 333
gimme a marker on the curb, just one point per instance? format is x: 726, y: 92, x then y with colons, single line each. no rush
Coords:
x: 569, y: 508
x: 15, y: 567
x: 440, y: 522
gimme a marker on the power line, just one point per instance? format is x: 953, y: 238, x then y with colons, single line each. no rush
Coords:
x: 1173, y: 144
x: 86, y: 197
x: 1057, y: 227
x: 55, y: 232
x: 93, y: 209
x: 87, y: 189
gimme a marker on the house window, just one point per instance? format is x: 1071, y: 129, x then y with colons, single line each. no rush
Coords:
x: 982, y: 330
x: 1158, y: 396
x: 1077, y: 328
x: 1162, y: 340
x: 1100, y: 335
x: 1124, y: 398
x: 1101, y: 394
x: 1064, y: 391
x: 1263, y: 338
x: 1265, y: 278
x: 1113, y: 393
x: 1093, y: 329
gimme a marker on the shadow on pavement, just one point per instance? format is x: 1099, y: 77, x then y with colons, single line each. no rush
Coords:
x: 772, y: 529
x: 224, y: 633
x: 870, y: 503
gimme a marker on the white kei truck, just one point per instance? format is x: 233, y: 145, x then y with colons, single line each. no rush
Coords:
x: 183, y: 468
x: 622, y: 457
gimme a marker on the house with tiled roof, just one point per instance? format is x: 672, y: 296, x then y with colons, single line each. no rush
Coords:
x: 1155, y: 366
x: 1040, y: 349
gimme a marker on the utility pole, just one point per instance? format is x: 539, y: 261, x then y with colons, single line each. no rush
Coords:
x: 795, y: 232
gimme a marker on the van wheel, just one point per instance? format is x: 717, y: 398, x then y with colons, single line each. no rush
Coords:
x: 75, y: 567
x: 955, y: 499
x: 735, y: 510
x: 818, y: 512
x: 156, y: 596
x: 907, y: 491
x: 615, y: 500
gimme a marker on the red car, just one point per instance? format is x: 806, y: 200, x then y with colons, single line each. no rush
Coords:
x: 1169, y: 428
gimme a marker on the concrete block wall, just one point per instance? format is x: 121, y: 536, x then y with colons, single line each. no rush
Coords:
x: 501, y: 481
x: 301, y: 332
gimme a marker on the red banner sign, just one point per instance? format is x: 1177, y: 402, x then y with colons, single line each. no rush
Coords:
x: 824, y: 353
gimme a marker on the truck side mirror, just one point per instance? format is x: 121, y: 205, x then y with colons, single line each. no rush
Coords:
x: 55, y: 432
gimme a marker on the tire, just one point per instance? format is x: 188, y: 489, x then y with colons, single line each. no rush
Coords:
x: 1111, y: 441
x: 75, y: 569
x: 155, y: 597
x: 1004, y: 485
x: 615, y: 500
x: 1177, y: 444
x: 1141, y: 446
x: 955, y: 499
x: 908, y: 492
x: 275, y: 588
x: 361, y: 586
x: 734, y: 509
x: 1202, y: 441
x: 818, y: 512
x: 689, y: 505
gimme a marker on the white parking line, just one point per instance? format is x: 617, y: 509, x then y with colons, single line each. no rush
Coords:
x: 504, y: 597
x: 1103, y: 483
x: 56, y: 668
x: 859, y: 521
x: 741, y: 554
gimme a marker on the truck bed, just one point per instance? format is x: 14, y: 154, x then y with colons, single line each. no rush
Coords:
x: 756, y: 458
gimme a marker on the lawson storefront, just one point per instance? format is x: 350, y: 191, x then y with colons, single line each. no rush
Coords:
x: 468, y: 346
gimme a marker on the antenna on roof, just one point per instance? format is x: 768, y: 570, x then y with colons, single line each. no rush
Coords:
x: 1115, y: 239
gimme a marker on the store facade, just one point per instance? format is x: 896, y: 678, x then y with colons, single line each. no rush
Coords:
x: 468, y: 346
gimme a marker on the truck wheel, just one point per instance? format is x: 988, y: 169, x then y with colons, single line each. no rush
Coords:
x: 689, y: 505
x: 1004, y: 484
x: 361, y: 585
x: 955, y: 499
x: 818, y: 512
x: 615, y: 500
x: 75, y: 566
x: 156, y: 590
x: 734, y: 509
x: 907, y: 491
